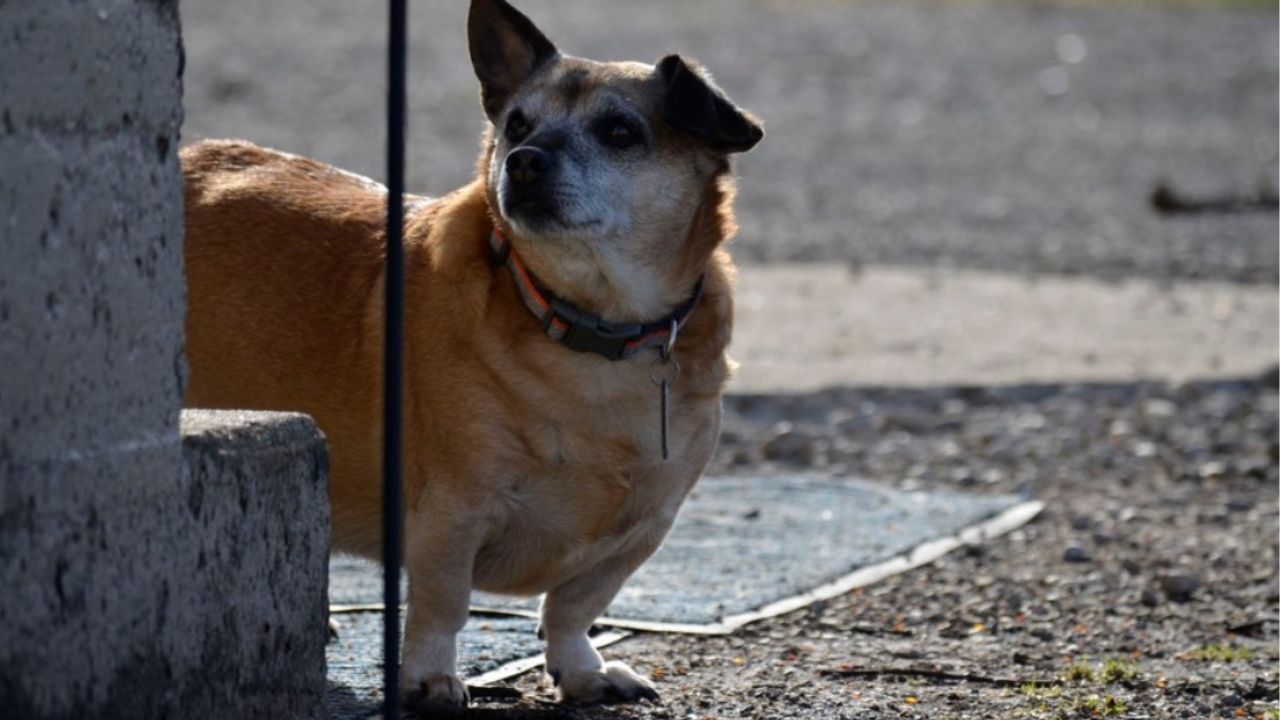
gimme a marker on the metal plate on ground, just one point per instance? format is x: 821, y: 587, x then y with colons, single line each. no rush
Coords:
x: 752, y: 547
x: 743, y: 549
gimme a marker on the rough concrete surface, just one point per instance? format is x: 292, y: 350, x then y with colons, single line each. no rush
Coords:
x: 91, y: 291
x: 145, y: 573
x: 135, y: 593
x: 1023, y: 136
x: 258, y: 492
x: 91, y: 311
x: 804, y: 327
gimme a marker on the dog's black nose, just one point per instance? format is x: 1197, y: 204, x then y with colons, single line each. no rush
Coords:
x: 527, y: 164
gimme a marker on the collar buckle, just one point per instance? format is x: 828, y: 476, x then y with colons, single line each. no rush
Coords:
x: 588, y: 333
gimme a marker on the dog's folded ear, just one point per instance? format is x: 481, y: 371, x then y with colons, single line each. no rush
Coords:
x: 506, y: 50
x: 695, y: 106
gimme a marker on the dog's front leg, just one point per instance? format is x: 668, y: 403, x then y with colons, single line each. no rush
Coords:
x: 439, y: 563
x: 568, y: 611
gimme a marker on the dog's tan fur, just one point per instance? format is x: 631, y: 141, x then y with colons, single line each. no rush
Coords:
x: 529, y: 468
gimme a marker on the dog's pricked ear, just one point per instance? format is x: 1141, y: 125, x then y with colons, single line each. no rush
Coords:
x: 695, y: 106
x: 506, y: 49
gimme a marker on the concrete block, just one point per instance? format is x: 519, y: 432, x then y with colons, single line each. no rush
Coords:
x: 129, y: 593
x: 258, y: 494
x: 91, y: 287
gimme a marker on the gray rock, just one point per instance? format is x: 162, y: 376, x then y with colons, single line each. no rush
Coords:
x: 1181, y: 587
x: 791, y: 446
x: 1076, y: 553
x: 1081, y: 522
x: 1042, y: 634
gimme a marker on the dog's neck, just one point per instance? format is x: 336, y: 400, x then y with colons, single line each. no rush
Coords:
x: 627, y: 282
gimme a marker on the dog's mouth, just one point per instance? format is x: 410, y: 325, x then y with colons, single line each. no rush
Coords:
x: 533, y: 208
x: 540, y: 211
x: 536, y: 214
x: 543, y: 210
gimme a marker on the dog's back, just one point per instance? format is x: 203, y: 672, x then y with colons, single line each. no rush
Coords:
x: 283, y: 262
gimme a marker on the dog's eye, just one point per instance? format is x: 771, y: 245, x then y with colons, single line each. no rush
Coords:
x: 618, y: 132
x: 517, y: 127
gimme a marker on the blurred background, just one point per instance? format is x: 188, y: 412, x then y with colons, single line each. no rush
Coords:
x: 1022, y: 136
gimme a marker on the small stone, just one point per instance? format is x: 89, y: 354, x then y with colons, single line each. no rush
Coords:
x: 1159, y: 408
x: 1150, y: 598
x: 991, y: 476
x: 1180, y: 588
x: 910, y: 421
x: 859, y: 425
x: 791, y: 446
x: 1076, y: 553
x: 1145, y: 449
x: 1042, y: 634
x: 1256, y: 467
x: 1081, y: 522
x: 1212, y: 470
x: 1240, y: 504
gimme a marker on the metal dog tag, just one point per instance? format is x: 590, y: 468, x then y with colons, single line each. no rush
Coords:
x: 666, y: 399
x: 663, y: 374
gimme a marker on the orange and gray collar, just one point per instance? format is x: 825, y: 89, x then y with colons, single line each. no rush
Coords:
x: 578, y: 329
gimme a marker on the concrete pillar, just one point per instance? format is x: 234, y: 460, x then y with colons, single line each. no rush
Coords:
x: 138, y: 577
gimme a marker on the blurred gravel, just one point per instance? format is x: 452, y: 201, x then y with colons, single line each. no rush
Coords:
x: 1022, y: 136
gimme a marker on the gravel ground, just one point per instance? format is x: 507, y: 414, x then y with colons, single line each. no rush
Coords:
x: 1020, y: 136
x: 1147, y: 589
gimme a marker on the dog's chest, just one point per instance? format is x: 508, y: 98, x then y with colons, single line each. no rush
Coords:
x: 591, y: 486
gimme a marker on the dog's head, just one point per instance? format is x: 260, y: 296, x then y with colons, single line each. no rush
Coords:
x: 598, y: 168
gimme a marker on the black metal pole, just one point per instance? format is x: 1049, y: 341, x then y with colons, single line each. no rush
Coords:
x: 393, y: 410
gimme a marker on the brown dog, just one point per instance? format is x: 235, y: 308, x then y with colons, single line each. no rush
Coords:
x: 544, y: 301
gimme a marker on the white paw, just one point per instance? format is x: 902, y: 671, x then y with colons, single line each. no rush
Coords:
x: 613, y: 683
x: 437, y: 695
